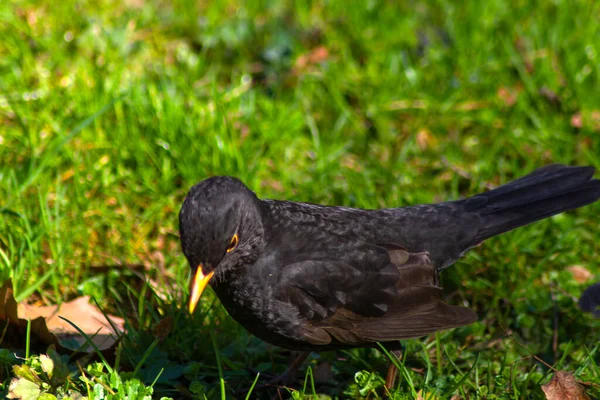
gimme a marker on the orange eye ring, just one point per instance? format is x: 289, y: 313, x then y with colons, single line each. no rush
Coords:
x: 233, y: 243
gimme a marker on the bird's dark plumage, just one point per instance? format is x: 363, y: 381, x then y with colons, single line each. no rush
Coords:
x: 312, y: 277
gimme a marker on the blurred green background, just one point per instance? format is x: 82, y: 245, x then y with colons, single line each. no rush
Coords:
x: 111, y: 110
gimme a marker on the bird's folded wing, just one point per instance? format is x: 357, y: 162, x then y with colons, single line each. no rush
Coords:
x: 368, y: 293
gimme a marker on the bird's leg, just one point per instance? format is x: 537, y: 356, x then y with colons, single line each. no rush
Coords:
x: 287, y: 378
x: 392, y: 373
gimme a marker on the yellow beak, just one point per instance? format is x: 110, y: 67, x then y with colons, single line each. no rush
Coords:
x: 198, y: 284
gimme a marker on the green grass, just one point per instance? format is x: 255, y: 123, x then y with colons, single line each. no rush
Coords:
x: 110, y: 111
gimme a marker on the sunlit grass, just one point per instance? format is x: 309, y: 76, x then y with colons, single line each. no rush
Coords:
x: 110, y: 111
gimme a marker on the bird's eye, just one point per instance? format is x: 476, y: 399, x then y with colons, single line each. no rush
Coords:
x: 233, y: 243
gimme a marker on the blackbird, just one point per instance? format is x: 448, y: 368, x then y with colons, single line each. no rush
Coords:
x: 312, y: 277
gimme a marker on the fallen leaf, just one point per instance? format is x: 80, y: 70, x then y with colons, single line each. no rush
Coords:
x: 50, y: 329
x: 470, y: 106
x: 509, y: 96
x: 563, y: 386
x: 21, y: 388
x: 136, y: 4
x: 580, y: 274
x: 67, y: 175
x: 47, y: 365
x: 424, y: 139
x: 313, y: 57
x: 36, y: 378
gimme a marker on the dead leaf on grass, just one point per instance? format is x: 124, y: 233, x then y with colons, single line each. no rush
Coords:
x: 313, y: 57
x: 580, y: 274
x: 564, y: 386
x: 49, y: 328
x: 508, y: 95
x: 425, y: 139
x: 36, y: 381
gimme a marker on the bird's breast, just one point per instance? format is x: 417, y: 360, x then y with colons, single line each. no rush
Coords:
x: 251, y: 303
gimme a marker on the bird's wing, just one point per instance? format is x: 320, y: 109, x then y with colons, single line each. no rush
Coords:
x: 368, y: 294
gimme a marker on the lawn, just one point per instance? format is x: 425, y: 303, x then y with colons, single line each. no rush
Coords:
x: 110, y: 110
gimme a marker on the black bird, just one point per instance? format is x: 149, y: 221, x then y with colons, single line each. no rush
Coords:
x: 312, y: 277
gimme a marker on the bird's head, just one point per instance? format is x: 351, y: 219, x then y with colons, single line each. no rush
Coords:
x: 221, y: 230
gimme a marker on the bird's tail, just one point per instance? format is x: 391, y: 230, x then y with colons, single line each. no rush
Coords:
x: 545, y: 192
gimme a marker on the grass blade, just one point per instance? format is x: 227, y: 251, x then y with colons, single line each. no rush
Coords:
x: 219, y: 366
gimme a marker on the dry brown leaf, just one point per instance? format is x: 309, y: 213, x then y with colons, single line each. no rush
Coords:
x: 563, y: 386
x: 470, y: 106
x: 508, y: 96
x: 135, y: 4
x: 425, y: 139
x: 48, y: 327
x: 580, y: 274
x: 314, y: 56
